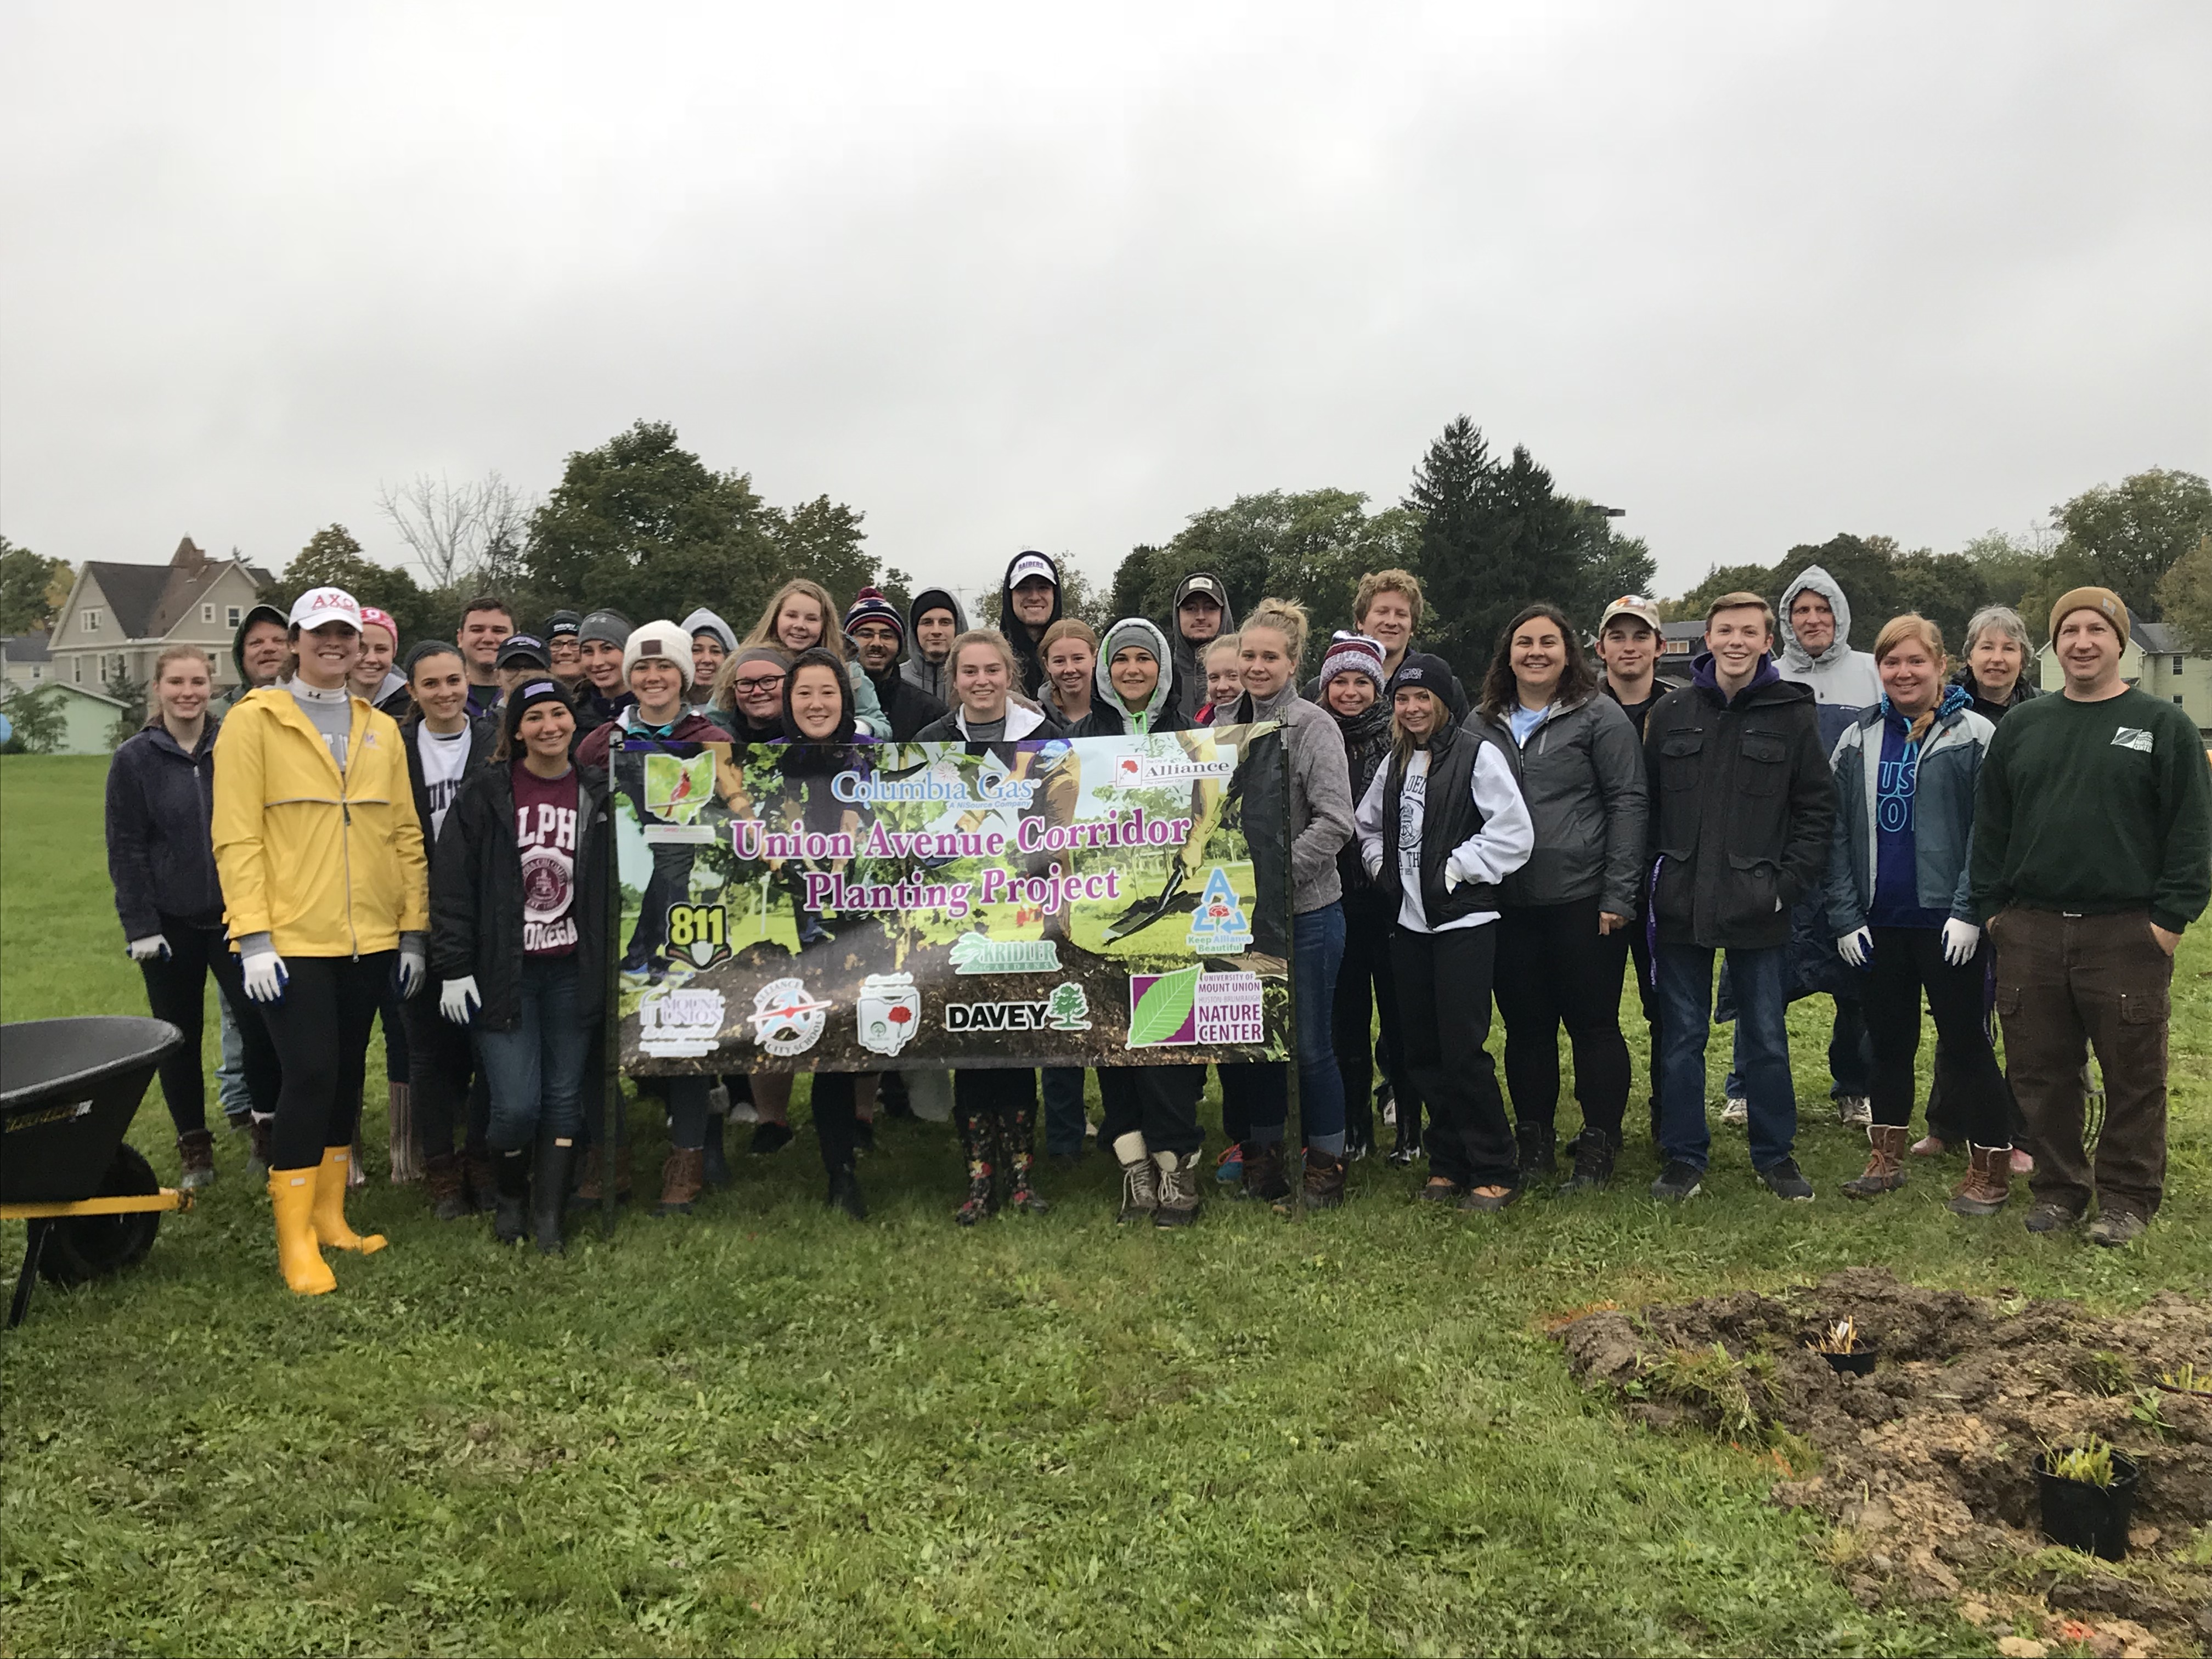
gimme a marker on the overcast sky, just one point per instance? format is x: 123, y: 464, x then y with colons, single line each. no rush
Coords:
x: 1000, y: 276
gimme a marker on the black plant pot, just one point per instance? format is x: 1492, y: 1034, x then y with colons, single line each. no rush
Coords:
x: 2092, y: 1519
x: 1857, y: 1363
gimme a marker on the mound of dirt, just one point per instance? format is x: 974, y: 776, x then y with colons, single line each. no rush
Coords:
x: 1927, y: 1465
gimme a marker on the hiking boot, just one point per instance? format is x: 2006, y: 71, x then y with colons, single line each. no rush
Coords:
x: 2047, y: 1217
x: 556, y: 1157
x: 1785, y: 1180
x: 442, y: 1182
x: 1141, y: 1179
x: 1679, y: 1180
x: 483, y: 1180
x: 1539, y: 1151
x: 1265, y: 1178
x: 1885, y: 1168
x: 1229, y: 1168
x: 258, y: 1130
x: 196, y: 1153
x: 1988, y: 1183
x: 682, y: 1179
x: 1176, y: 1189
x: 769, y: 1137
x: 511, y: 1216
x: 845, y: 1194
x: 1854, y: 1111
x: 1736, y: 1111
x: 2114, y: 1228
x: 587, y: 1190
x: 1488, y: 1200
x: 1594, y: 1151
x: 1324, y: 1181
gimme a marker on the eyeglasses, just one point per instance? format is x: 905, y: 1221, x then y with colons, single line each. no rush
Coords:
x: 755, y: 688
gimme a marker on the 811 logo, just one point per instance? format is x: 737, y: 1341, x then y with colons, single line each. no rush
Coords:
x: 698, y: 933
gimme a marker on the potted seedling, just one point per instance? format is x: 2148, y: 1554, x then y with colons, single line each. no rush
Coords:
x: 2088, y: 1493
x: 2186, y: 1379
x: 1846, y: 1352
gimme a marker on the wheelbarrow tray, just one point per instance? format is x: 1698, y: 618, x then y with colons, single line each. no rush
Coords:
x: 68, y: 1089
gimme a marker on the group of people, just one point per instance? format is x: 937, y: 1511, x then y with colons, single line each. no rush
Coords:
x: 422, y: 840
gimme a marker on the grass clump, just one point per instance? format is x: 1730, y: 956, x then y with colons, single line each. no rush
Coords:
x: 1715, y: 1384
x: 2089, y: 1464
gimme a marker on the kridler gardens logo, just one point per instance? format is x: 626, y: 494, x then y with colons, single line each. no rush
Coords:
x: 1192, y: 1007
x: 972, y: 953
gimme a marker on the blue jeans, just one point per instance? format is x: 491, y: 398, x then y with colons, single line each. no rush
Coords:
x: 535, y: 1069
x: 230, y: 1076
x: 1316, y: 951
x: 1063, y: 1110
x: 1762, y: 1036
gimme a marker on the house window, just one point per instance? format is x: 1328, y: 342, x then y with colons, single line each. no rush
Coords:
x: 89, y: 621
x: 2177, y: 664
x: 34, y: 673
x: 76, y: 668
x: 206, y: 613
x: 2177, y: 699
x: 235, y: 614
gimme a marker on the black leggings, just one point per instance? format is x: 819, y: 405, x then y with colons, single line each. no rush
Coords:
x: 449, y: 1087
x: 1443, y: 982
x: 320, y: 1030
x: 1367, y: 987
x: 1158, y: 1101
x: 1905, y: 961
x: 1555, y: 969
x: 176, y: 990
x: 836, y: 1118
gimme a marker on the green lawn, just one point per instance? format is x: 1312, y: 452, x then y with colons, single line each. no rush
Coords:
x: 764, y: 1429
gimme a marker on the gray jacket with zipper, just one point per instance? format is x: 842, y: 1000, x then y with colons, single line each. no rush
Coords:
x: 1949, y: 767
x: 1582, y: 775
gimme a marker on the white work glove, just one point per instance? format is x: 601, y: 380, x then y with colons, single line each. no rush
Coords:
x: 1856, y: 947
x: 414, y: 968
x: 1455, y: 873
x: 1960, y: 940
x: 265, y: 975
x: 146, y: 949
x: 461, y: 999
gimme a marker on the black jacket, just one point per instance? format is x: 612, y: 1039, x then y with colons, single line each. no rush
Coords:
x: 905, y: 705
x: 1449, y: 817
x: 483, y: 738
x: 1026, y: 655
x: 161, y: 855
x: 1742, y: 802
x: 1989, y: 707
x: 475, y: 897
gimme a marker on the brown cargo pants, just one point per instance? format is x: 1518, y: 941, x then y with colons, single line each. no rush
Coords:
x: 2064, y: 981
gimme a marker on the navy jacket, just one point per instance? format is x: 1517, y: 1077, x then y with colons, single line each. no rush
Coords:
x: 161, y: 855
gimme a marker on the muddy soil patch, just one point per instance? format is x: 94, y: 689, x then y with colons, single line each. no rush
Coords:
x: 1926, y: 1466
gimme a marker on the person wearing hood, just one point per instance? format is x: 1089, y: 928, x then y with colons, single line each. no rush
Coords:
x: 258, y: 651
x: 713, y: 640
x: 161, y: 857
x: 602, y: 697
x: 375, y: 680
x: 1029, y: 603
x: 561, y: 633
x: 934, y: 620
x: 1900, y: 909
x: 876, y: 633
x: 1741, y: 806
x: 1366, y: 989
x: 1198, y: 614
x: 1563, y: 916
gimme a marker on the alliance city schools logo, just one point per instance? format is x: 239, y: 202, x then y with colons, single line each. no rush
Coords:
x: 679, y: 1024
x: 1067, y: 1009
x: 786, y: 1020
x: 1220, y: 926
x: 889, y: 1009
x: 1192, y: 1007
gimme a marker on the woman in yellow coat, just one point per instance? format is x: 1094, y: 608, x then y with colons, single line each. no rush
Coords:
x: 325, y: 894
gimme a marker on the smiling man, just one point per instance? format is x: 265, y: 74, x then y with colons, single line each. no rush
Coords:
x: 2092, y: 851
x: 877, y: 634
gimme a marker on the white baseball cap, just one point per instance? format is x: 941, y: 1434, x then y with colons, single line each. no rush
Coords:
x: 1632, y: 604
x: 1028, y: 565
x: 318, y: 605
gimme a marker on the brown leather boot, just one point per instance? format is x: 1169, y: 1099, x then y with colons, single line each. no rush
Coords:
x: 1265, y: 1177
x: 1988, y: 1184
x: 587, y: 1190
x: 441, y: 1180
x: 1888, y: 1145
x: 682, y: 1179
x: 195, y: 1156
x: 1324, y: 1182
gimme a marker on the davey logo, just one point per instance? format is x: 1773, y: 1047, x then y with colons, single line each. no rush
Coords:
x: 998, y: 1016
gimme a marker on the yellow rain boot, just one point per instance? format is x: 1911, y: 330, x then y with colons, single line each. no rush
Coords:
x: 330, y: 1206
x: 292, y: 1195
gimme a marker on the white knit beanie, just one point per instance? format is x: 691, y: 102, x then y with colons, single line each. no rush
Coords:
x: 661, y: 639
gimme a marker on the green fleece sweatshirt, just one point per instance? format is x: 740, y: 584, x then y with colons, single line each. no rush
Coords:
x: 2095, y: 808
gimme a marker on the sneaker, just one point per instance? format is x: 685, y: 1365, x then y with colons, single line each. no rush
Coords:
x: 1735, y: 1110
x: 1854, y: 1111
x: 1539, y: 1149
x: 1677, y: 1182
x: 1785, y: 1180
x: 2051, y: 1218
x: 2114, y: 1228
x: 1594, y: 1156
x: 1229, y: 1168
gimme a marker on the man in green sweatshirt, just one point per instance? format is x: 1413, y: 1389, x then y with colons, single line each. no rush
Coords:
x: 2093, y: 850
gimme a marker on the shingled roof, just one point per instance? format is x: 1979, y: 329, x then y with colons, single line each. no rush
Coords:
x: 150, y: 599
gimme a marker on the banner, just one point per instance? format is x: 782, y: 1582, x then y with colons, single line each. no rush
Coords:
x: 1100, y: 902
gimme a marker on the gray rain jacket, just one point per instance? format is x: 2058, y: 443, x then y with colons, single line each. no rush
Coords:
x: 1842, y: 681
x: 1583, y: 777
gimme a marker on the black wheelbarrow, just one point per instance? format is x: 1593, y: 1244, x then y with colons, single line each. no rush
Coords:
x: 68, y: 1089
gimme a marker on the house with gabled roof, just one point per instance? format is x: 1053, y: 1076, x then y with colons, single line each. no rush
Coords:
x: 118, y: 617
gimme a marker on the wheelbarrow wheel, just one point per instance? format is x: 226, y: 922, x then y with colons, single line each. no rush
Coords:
x: 87, y: 1247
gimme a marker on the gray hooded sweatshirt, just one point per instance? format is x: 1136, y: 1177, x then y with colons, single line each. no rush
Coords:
x: 1189, y: 661
x: 1843, y: 681
x: 933, y: 679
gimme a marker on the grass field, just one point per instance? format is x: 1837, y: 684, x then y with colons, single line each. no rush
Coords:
x: 762, y: 1429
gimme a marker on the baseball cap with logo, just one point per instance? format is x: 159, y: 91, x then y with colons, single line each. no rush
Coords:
x: 1632, y: 604
x: 1202, y: 586
x: 1028, y: 565
x: 319, y: 606
x: 517, y: 649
